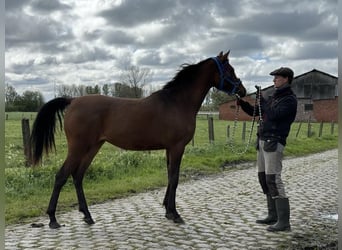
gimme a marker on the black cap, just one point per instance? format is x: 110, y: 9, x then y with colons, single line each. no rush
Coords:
x: 283, y: 71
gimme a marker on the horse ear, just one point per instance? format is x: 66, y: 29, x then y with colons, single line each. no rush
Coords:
x: 225, y: 56
x: 220, y: 54
x: 228, y: 53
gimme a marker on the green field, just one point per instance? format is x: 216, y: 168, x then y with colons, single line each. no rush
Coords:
x: 115, y: 173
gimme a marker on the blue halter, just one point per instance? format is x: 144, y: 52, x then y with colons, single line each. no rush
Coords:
x: 223, y: 78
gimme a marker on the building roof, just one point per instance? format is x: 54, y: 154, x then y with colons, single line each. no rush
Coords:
x: 315, y: 70
x: 306, y: 73
x: 301, y: 75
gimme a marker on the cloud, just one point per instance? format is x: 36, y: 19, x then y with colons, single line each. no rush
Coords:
x: 314, y: 50
x: 48, y: 6
x: 282, y: 24
x: 21, y: 30
x: 12, y: 5
x: 239, y: 44
x: 89, y: 42
x: 117, y: 37
x: 140, y: 11
x: 30, y: 82
x: 85, y: 54
x: 21, y: 67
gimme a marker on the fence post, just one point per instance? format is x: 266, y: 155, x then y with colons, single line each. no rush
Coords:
x: 228, y: 132
x: 309, y: 128
x: 244, y: 131
x: 211, y: 129
x: 25, y: 126
x: 300, y: 125
x: 320, y: 130
x: 332, y: 128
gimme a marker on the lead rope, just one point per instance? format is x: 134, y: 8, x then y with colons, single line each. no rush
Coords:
x: 257, y: 105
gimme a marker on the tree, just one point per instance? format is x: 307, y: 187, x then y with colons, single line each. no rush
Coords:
x: 124, y: 90
x: 92, y: 90
x: 105, y: 89
x: 71, y: 90
x: 214, y: 99
x: 219, y: 97
x: 136, y: 78
x: 31, y: 101
x: 77, y: 90
x: 108, y: 89
x: 11, y: 96
x: 64, y: 90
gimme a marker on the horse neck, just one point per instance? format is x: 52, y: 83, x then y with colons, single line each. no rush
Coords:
x: 193, y: 95
x: 202, y: 85
x: 190, y: 96
x: 199, y: 95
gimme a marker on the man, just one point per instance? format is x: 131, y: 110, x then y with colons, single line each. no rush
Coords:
x: 278, y: 113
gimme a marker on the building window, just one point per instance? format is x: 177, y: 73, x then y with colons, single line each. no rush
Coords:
x: 308, y: 107
x: 307, y: 91
x: 232, y: 106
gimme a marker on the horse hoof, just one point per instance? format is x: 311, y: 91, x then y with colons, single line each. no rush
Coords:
x: 169, y: 216
x: 36, y: 225
x: 178, y: 220
x: 54, y: 225
x: 89, y: 221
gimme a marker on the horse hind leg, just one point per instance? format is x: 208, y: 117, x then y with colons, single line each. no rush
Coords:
x: 60, y: 179
x: 82, y: 203
x: 78, y: 176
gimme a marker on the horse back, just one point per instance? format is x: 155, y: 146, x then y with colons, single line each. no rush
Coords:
x: 134, y: 124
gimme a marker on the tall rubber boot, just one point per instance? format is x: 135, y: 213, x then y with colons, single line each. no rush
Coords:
x: 283, y: 211
x: 272, y: 212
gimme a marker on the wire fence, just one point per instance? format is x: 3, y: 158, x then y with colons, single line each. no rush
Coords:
x: 241, y: 131
x: 209, y: 130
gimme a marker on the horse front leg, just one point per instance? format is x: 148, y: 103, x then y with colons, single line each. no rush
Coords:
x: 166, y: 198
x: 174, y: 160
x: 60, y: 179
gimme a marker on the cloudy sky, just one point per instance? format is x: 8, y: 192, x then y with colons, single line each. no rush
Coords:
x: 54, y: 42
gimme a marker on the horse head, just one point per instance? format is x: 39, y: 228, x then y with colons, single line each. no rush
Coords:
x: 226, y: 80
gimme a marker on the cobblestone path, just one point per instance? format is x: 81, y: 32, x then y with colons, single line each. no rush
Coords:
x: 219, y: 213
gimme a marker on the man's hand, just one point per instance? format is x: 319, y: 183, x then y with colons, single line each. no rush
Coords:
x: 258, y: 92
x: 239, y: 101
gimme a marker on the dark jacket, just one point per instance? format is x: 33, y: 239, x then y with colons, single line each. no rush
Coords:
x: 278, y: 113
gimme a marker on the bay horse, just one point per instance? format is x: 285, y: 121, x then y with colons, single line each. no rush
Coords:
x: 164, y: 120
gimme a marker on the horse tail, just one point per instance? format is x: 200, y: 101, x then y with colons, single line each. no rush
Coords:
x: 44, y: 127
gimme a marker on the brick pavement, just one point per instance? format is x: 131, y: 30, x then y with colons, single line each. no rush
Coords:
x: 219, y: 212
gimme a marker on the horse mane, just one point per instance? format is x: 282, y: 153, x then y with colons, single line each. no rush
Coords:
x: 185, y: 76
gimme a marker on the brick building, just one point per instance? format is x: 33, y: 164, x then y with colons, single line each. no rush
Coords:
x: 317, y: 94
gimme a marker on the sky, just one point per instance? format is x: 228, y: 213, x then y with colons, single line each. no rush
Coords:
x: 49, y: 43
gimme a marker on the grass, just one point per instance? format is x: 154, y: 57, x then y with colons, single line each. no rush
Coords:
x: 116, y: 173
